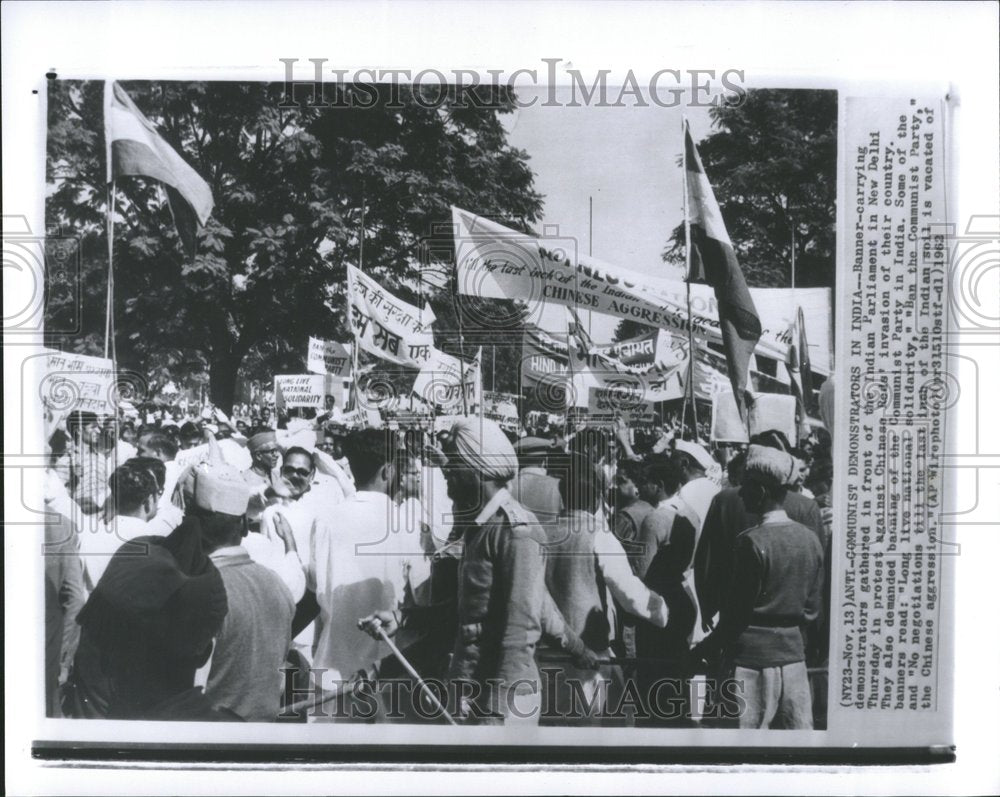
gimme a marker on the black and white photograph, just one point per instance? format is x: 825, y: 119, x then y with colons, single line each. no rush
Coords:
x: 396, y: 413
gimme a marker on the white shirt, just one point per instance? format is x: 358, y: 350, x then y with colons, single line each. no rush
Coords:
x: 272, y: 555
x: 167, y: 518
x: 698, y: 494
x: 355, y: 569
x: 99, y: 544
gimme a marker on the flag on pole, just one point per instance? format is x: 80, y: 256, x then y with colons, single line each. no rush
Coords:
x: 805, y: 367
x: 135, y: 148
x: 713, y: 261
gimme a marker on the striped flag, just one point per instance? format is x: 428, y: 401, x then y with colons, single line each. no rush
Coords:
x: 713, y: 261
x: 135, y: 148
x: 798, y: 367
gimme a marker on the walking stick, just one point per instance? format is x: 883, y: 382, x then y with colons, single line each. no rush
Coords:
x: 415, y: 676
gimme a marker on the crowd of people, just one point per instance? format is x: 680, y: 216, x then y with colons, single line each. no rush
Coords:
x: 199, y: 568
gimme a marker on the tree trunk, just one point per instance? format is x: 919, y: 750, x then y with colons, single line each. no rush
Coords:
x: 222, y: 380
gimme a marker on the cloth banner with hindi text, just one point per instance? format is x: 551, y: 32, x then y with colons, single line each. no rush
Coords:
x: 443, y: 379
x: 386, y: 326
x: 76, y: 382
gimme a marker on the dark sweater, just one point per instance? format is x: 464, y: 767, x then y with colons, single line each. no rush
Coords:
x: 777, y: 591
x: 725, y: 520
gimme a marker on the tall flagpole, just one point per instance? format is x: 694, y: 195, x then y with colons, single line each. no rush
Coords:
x: 109, y: 327
x: 689, y: 393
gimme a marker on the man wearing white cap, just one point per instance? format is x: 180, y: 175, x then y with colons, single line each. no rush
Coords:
x: 697, y: 490
x: 245, y: 675
x: 776, y: 594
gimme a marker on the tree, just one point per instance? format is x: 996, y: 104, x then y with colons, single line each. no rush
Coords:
x: 773, y: 166
x: 290, y: 187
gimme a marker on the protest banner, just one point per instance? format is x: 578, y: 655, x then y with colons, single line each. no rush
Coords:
x: 299, y: 390
x: 774, y: 411
x: 767, y: 411
x: 619, y: 401
x: 443, y: 380
x: 327, y: 357
x: 386, y: 326
x: 496, y: 262
x: 501, y: 407
x: 77, y: 382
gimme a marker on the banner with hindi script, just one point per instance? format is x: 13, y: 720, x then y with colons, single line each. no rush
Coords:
x: 443, y: 379
x: 386, y: 326
x: 502, y: 408
x: 327, y: 357
x: 77, y: 382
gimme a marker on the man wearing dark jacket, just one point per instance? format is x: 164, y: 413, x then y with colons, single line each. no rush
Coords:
x: 777, y: 583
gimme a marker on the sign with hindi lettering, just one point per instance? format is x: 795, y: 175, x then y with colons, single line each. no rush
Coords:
x: 77, y: 382
x: 443, y: 379
x: 299, y: 390
x: 501, y: 407
x: 386, y: 326
x: 328, y: 357
x: 619, y: 401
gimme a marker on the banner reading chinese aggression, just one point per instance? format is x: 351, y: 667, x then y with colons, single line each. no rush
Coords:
x: 386, y: 326
x: 496, y: 262
x: 327, y: 357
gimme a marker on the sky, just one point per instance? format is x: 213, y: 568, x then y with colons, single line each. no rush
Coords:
x: 623, y: 157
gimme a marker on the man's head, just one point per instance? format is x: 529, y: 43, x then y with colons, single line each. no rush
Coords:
x: 480, y: 459
x: 298, y: 471
x: 329, y: 443
x: 127, y: 432
x: 242, y: 428
x: 133, y: 492
x: 766, y: 476
x: 157, y: 445
x: 691, y: 459
x: 627, y: 481
x: 191, y: 435
x: 84, y: 428
x: 371, y: 455
x: 264, y: 450
x: 155, y: 467
x: 533, y: 452
x: 329, y: 402
x: 661, y: 478
x: 220, y: 499
x: 734, y: 469
x: 410, y: 468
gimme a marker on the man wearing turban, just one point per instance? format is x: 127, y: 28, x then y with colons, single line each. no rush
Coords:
x: 503, y: 604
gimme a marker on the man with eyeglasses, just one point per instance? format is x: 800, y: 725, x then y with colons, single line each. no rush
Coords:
x: 265, y: 456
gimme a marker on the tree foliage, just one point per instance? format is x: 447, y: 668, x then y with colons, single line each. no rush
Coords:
x: 772, y: 163
x: 290, y: 186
